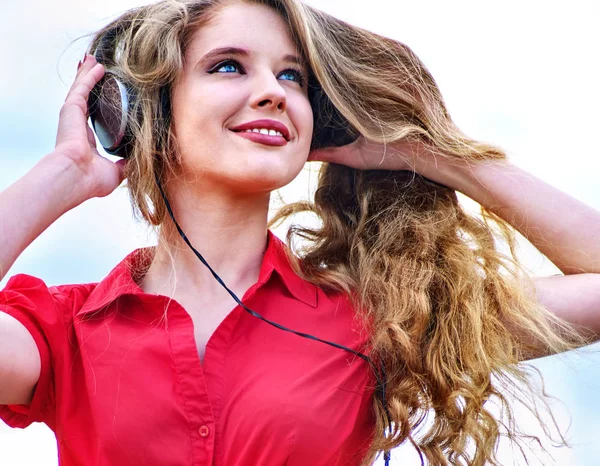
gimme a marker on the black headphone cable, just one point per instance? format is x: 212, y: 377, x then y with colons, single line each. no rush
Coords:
x: 381, y: 381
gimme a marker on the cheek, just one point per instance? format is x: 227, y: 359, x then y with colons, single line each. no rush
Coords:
x: 198, y: 123
x: 302, y: 116
x: 195, y: 103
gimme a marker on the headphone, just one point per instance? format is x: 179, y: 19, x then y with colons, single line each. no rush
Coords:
x: 111, y: 104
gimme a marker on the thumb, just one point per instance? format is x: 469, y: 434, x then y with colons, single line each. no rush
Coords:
x: 121, y: 164
x: 328, y: 154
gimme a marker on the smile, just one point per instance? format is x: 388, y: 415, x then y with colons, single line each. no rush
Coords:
x: 263, y: 136
x: 270, y: 132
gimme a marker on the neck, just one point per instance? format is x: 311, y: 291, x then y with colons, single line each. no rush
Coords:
x: 230, y: 233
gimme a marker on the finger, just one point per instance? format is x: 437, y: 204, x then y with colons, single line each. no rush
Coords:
x: 88, y: 74
x: 73, y: 114
x: 343, y: 155
x: 85, y: 80
x: 70, y: 123
x: 86, y: 65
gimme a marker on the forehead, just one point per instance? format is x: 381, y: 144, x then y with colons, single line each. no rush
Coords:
x: 248, y: 25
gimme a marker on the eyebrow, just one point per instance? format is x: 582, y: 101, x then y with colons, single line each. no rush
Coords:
x: 237, y: 51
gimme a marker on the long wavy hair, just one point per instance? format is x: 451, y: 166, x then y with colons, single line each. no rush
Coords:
x: 450, y: 315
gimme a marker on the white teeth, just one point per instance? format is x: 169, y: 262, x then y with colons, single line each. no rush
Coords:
x: 270, y: 132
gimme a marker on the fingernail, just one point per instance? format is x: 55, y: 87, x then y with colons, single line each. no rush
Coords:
x: 84, y: 58
x: 79, y: 65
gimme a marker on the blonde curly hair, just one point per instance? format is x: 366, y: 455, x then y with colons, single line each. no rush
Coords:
x: 445, y: 308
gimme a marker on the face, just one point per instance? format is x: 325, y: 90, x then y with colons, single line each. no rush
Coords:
x: 242, y: 74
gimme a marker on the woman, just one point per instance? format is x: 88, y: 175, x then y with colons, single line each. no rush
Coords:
x: 151, y: 366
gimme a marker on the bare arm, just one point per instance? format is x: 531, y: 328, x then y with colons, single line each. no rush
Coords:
x: 60, y: 181
x: 574, y: 298
x: 33, y: 203
x: 20, y: 363
x: 27, y: 208
x: 564, y: 229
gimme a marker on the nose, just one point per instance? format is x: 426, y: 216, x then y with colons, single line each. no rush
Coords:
x: 269, y: 93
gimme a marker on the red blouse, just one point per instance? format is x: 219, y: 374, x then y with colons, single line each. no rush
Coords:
x: 119, y: 385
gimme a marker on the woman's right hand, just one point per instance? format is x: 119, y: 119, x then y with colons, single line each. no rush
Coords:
x: 75, y: 139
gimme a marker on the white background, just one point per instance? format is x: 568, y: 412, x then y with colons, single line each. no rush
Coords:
x: 523, y: 75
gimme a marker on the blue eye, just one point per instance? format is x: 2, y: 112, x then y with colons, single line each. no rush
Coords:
x: 297, y: 76
x: 232, y: 66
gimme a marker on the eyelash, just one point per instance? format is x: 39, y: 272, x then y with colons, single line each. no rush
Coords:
x: 299, y: 75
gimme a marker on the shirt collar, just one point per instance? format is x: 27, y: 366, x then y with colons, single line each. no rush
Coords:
x: 120, y: 281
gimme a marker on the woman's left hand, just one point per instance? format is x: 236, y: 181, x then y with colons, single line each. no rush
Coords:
x: 364, y: 154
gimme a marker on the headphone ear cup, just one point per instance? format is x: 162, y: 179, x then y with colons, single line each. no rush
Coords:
x: 109, y: 109
x: 331, y: 129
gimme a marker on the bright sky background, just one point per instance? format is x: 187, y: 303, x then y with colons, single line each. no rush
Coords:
x: 522, y: 75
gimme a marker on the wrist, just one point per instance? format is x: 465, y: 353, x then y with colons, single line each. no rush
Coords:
x: 466, y: 177
x: 67, y: 180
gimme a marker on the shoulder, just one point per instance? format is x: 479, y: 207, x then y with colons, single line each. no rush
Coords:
x: 71, y: 300
x: 72, y: 296
x: 29, y: 293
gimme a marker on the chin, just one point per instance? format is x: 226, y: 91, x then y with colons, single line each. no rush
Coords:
x: 260, y: 183
x: 270, y: 174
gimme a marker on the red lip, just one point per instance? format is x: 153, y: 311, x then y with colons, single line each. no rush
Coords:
x: 266, y: 124
x: 262, y: 138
